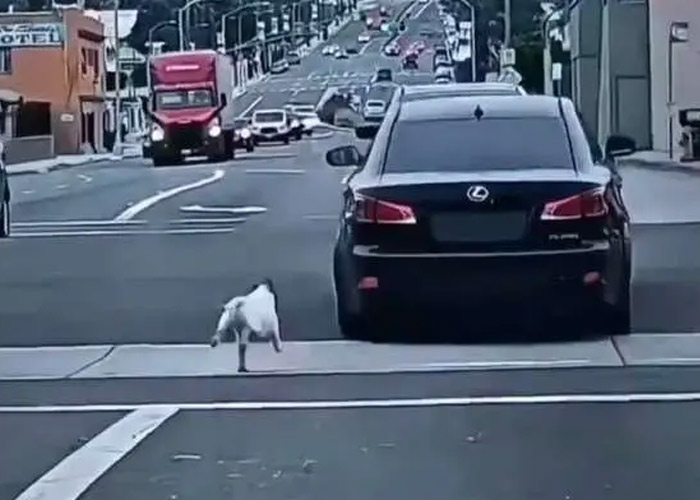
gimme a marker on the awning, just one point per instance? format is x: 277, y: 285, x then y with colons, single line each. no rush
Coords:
x: 10, y: 96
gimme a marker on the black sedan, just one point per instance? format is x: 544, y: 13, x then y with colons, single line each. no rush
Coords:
x: 4, y: 196
x: 444, y: 216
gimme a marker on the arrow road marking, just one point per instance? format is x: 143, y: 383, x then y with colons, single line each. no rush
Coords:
x: 147, y: 203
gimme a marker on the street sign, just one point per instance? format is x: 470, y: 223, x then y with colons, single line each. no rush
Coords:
x: 556, y: 72
x: 31, y: 35
x: 507, y: 57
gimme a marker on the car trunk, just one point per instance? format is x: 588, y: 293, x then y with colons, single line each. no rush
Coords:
x: 508, y: 220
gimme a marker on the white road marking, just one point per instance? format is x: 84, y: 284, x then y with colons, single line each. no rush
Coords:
x: 251, y: 107
x: 62, y: 186
x: 421, y: 10
x: 274, y: 171
x: 230, y: 220
x: 69, y: 479
x: 367, y: 45
x: 28, y: 191
x: 531, y: 399
x: 85, y: 178
x: 147, y: 203
x: 83, y: 223
x: 61, y: 234
x: 228, y: 210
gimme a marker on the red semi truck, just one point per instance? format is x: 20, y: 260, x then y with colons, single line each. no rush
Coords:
x: 191, y: 106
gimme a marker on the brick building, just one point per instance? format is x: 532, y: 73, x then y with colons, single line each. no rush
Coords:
x: 55, y: 62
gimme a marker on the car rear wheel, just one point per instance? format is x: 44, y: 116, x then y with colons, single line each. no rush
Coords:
x: 249, y: 147
x: 286, y: 140
x: 5, y: 218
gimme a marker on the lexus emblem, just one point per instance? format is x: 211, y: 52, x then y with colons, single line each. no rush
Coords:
x: 477, y: 193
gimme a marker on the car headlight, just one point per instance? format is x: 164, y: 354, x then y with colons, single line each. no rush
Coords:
x: 295, y: 123
x: 157, y: 133
x: 214, y: 130
x: 245, y: 133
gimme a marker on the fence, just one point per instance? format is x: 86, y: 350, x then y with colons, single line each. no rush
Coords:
x: 21, y: 149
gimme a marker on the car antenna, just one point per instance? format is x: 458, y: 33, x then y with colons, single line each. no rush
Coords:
x: 478, y: 112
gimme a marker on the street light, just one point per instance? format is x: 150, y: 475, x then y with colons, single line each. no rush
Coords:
x: 677, y: 33
x: 240, y: 9
x: 547, y: 54
x: 117, y: 148
x: 181, y: 22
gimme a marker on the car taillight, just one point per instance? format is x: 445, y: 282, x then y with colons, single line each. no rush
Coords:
x: 376, y: 211
x: 585, y: 205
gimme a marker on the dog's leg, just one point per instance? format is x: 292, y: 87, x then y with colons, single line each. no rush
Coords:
x: 222, y: 328
x: 277, y: 338
x: 243, y: 338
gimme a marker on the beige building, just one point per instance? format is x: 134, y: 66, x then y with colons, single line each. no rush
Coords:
x: 685, y: 63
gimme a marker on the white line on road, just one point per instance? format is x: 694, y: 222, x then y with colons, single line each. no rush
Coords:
x: 274, y: 171
x: 69, y: 479
x: 147, y: 203
x: 225, y: 210
x: 57, y: 234
x: 421, y: 10
x: 62, y: 186
x: 532, y: 399
x: 229, y: 220
x: 249, y: 108
x: 85, y: 178
x: 83, y: 223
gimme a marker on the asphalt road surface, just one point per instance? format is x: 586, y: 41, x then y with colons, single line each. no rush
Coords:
x: 111, y: 287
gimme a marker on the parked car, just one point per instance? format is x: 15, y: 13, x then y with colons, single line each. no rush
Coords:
x: 341, y: 54
x: 293, y: 57
x: 4, y: 195
x: 279, y: 67
x: 306, y: 113
x: 392, y: 49
x: 364, y: 38
x: 243, y: 137
x: 383, y: 75
x: 410, y: 61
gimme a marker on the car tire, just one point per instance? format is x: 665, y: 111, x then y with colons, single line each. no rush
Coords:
x: 249, y: 148
x: 5, y: 218
x: 159, y: 161
x: 299, y: 136
x: 286, y: 140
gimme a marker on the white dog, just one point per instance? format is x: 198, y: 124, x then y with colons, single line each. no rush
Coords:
x: 249, y: 317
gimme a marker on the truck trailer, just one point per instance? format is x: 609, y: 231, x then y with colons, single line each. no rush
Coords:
x: 191, y: 106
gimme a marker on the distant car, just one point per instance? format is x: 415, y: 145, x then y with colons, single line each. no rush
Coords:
x: 364, y: 38
x: 293, y: 57
x: 392, y: 49
x: 270, y: 125
x: 441, y: 61
x: 374, y: 110
x: 439, y: 50
x: 4, y: 195
x: 306, y: 113
x: 383, y: 11
x: 341, y: 54
x: 352, y: 49
x: 243, y: 137
x: 443, y: 74
x: 296, y: 127
x: 410, y: 61
x: 279, y: 67
x: 383, y: 75
x: 329, y: 50
x: 443, y: 79
x: 419, y: 46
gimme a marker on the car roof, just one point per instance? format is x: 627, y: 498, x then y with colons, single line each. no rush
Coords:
x: 451, y: 107
x: 270, y: 110
x: 420, y: 92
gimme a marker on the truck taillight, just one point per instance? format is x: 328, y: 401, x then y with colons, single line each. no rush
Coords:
x: 371, y: 210
x: 585, y: 205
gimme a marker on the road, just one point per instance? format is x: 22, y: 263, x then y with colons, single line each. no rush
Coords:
x: 112, y: 283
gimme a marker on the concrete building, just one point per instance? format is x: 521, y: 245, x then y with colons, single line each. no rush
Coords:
x: 53, y: 61
x: 620, y: 60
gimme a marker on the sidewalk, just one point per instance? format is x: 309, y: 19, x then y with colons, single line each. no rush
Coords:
x: 658, y: 159
x: 66, y: 161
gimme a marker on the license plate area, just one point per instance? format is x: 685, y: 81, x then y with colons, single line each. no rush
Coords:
x: 478, y: 227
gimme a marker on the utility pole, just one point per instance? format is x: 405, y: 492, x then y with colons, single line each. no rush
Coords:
x: 117, y: 85
x: 506, y: 23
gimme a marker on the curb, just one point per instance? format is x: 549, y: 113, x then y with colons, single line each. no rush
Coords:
x: 656, y: 165
x: 63, y: 166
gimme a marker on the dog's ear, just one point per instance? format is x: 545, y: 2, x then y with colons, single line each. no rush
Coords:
x: 270, y: 286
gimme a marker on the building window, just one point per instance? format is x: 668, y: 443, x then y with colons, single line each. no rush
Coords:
x: 5, y: 61
x: 83, y: 61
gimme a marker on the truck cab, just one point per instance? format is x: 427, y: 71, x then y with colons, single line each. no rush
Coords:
x: 191, y: 108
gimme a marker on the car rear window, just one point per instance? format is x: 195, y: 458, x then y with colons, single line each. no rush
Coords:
x: 486, y: 144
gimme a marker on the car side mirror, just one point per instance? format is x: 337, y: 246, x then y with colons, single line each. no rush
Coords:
x: 619, y: 145
x: 366, y: 131
x: 344, y: 156
x: 224, y: 100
